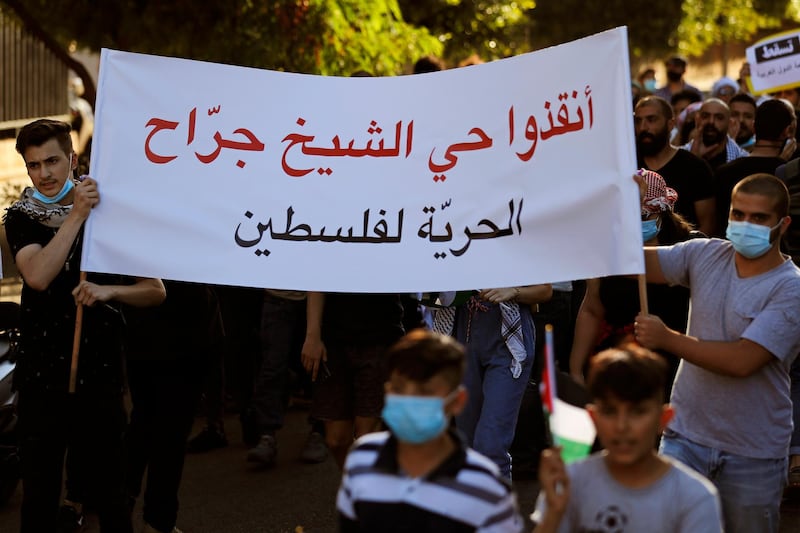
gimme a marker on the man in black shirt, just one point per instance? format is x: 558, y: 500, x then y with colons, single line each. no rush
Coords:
x: 45, y: 233
x: 689, y: 175
x: 775, y: 125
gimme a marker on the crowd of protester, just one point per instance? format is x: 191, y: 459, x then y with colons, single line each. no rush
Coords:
x: 427, y: 410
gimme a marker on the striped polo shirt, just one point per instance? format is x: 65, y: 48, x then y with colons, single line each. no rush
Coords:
x: 465, y: 493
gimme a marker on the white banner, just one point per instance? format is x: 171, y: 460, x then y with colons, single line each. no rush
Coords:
x: 774, y: 63
x: 507, y: 173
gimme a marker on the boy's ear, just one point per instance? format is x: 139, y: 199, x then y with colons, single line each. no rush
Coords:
x: 73, y: 164
x: 667, y: 412
x: 458, y: 402
x: 592, y: 410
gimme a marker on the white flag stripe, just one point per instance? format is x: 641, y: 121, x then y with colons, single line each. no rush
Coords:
x: 571, y: 423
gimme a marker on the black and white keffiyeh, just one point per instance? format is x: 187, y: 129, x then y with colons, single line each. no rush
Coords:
x: 510, y: 329
x: 50, y: 215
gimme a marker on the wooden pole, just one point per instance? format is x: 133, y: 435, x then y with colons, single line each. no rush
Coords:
x: 643, y: 294
x: 76, y: 343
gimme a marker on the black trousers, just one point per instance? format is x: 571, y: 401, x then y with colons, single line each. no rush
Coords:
x: 88, y: 426
x: 165, y: 395
x: 283, y: 328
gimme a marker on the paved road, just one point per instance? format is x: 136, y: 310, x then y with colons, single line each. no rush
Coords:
x: 222, y: 494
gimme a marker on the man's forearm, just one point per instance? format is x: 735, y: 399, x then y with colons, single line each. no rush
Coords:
x: 40, y: 267
x: 739, y: 358
x: 315, y: 304
x: 587, y: 328
x: 145, y: 292
x: 534, y: 294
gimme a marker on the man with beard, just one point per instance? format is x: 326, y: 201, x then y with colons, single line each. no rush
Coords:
x: 710, y: 139
x: 688, y: 174
x: 775, y: 124
x: 743, y: 115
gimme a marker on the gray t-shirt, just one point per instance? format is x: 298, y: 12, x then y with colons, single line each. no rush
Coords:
x: 681, y: 501
x: 751, y: 416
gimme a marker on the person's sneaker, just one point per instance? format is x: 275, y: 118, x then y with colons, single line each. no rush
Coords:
x: 69, y: 520
x: 265, y: 452
x: 207, y: 440
x: 314, y: 450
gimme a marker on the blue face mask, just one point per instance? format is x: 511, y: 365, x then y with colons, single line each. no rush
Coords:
x: 68, y: 186
x: 650, y: 84
x: 416, y: 419
x: 750, y: 240
x: 649, y: 229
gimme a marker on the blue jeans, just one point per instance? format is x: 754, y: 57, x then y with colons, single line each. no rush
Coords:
x: 750, y: 489
x: 493, y: 394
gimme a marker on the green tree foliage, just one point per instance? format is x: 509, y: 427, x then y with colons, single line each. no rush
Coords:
x: 709, y: 22
x: 384, y: 36
x: 490, y: 28
x: 651, y: 25
x: 312, y: 36
x: 793, y: 9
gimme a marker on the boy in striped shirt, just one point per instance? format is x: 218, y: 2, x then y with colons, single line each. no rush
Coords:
x: 420, y: 476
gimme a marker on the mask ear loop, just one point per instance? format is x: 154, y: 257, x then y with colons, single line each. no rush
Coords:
x: 450, y: 397
x: 774, y: 228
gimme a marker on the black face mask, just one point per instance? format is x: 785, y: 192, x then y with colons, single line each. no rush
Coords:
x: 674, y: 76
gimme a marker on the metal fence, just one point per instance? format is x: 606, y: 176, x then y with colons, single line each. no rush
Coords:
x: 33, y: 82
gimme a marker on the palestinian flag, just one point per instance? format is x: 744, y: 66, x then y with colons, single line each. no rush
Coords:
x: 571, y: 427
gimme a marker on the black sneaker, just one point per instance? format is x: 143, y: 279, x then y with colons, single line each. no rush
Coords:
x: 69, y: 520
x: 207, y: 440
